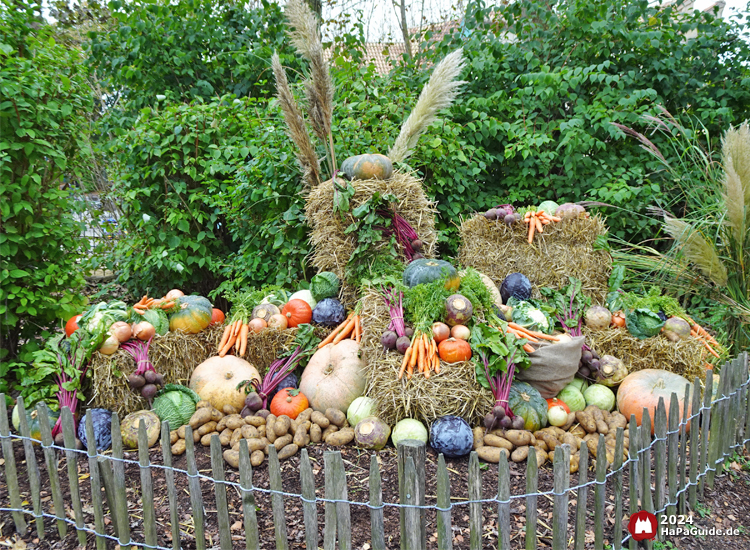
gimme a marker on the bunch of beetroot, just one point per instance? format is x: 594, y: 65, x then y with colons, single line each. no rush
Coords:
x: 505, y: 213
x: 397, y: 335
x: 405, y: 235
x: 145, y: 377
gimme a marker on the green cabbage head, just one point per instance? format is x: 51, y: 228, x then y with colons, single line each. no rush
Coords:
x: 175, y: 404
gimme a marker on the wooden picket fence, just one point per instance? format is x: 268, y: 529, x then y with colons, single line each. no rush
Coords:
x: 667, y: 473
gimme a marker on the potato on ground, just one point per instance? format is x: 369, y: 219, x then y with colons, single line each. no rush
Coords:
x: 491, y: 454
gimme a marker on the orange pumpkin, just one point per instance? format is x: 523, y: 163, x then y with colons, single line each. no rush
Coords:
x: 297, y: 312
x: 454, y: 350
x: 217, y: 317
x: 555, y: 402
x: 289, y: 401
x: 642, y: 390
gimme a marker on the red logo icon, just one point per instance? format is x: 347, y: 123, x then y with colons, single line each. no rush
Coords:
x: 642, y: 526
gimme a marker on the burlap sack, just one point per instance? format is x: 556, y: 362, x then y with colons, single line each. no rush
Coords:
x: 553, y: 366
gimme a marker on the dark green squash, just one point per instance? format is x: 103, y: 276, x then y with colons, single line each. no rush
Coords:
x: 367, y: 167
x: 528, y: 403
x: 426, y: 271
x: 194, y: 314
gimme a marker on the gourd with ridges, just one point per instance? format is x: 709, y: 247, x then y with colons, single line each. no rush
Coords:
x: 424, y: 271
x: 527, y: 402
x: 367, y: 167
x: 192, y: 316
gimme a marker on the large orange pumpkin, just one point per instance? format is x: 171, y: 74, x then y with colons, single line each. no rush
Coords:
x: 297, y: 312
x: 215, y: 380
x: 334, y: 377
x: 642, y: 390
x: 454, y: 350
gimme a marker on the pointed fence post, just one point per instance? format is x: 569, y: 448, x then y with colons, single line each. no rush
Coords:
x: 11, y: 473
x: 32, y: 469
x: 196, y: 496
x: 444, y: 531
x: 532, y: 486
x: 475, y: 508
x: 617, y: 467
x: 377, y: 528
x: 96, y: 484
x: 503, y: 506
x: 695, y: 437
x: 118, y: 474
x: 310, y: 512
x: 277, y: 499
x: 220, y: 492
x: 561, y: 483
x: 248, y: 500
x: 634, y: 453
x: 415, y: 450
x: 71, y: 457
x: 705, y: 425
x: 579, y: 537
x: 50, y: 461
x: 147, y: 487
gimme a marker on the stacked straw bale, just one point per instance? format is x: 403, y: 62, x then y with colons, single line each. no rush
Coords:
x: 332, y: 248
x: 685, y: 357
x: 564, y: 249
x: 176, y: 355
x: 454, y: 391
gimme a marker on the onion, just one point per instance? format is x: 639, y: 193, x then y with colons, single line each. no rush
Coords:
x: 440, y: 331
x: 461, y: 332
x: 144, y: 331
x: 174, y: 293
x: 121, y: 330
x: 257, y: 324
x: 557, y: 415
x: 109, y: 346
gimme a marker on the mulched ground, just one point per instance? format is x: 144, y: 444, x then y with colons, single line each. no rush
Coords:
x: 724, y: 506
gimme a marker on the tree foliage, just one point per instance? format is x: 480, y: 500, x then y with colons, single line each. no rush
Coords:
x: 44, y: 100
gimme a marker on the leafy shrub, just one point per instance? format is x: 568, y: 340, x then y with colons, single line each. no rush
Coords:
x: 45, y: 99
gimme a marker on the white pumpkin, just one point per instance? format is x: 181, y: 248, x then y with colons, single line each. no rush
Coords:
x: 215, y: 380
x: 334, y: 377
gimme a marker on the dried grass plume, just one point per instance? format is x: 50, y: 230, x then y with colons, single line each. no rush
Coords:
x: 696, y: 249
x: 438, y: 94
x: 296, y: 127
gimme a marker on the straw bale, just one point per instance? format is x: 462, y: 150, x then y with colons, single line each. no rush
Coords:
x: 332, y: 248
x: 684, y: 357
x: 564, y: 249
x: 454, y: 391
x: 176, y: 355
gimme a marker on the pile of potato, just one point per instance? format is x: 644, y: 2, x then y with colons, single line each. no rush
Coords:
x: 582, y: 428
x: 286, y: 434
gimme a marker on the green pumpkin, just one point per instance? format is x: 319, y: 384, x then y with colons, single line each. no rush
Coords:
x: 528, y: 403
x: 32, y: 419
x: 424, y: 271
x: 367, y: 167
x: 194, y: 315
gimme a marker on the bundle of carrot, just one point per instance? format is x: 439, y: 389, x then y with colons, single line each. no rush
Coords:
x: 537, y: 221
x: 710, y: 343
x: 422, y: 354
x: 150, y: 303
x: 531, y: 335
x: 235, y: 335
x: 351, y: 327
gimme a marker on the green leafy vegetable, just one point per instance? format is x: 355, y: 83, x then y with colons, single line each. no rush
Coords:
x: 175, y: 404
x: 643, y: 323
x: 100, y: 317
x: 424, y: 304
x: 531, y: 315
x: 156, y: 317
x: 474, y: 289
x: 569, y: 305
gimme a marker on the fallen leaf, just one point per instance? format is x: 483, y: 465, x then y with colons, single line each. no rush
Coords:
x: 236, y: 526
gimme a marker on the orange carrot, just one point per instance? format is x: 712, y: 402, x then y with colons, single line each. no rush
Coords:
x: 228, y: 345
x: 527, y: 215
x: 523, y: 335
x: 532, y: 228
x: 528, y: 348
x: 243, y: 339
x: 421, y: 360
x: 705, y: 334
x: 437, y: 364
x: 346, y: 331
x: 538, y: 224
x: 709, y: 348
x: 534, y: 333
x: 224, y: 338
x: 357, y: 328
x: 405, y: 362
x: 708, y: 366
x: 328, y: 339
x: 414, y: 353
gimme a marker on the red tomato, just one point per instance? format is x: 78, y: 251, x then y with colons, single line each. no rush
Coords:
x: 72, y: 325
x: 553, y: 401
x: 217, y: 317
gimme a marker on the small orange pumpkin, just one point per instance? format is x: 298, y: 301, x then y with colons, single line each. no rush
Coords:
x: 297, y: 312
x: 454, y: 350
x: 217, y: 317
x: 289, y: 401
